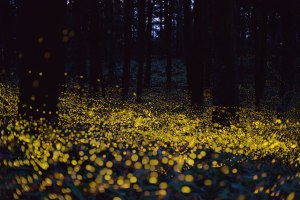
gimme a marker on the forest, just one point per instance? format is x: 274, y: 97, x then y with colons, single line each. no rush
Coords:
x: 150, y: 99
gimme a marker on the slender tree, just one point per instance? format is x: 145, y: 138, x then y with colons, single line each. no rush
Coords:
x: 128, y: 15
x: 95, y: 36
x: 196, y: 49
x: 201, y: 52
x: 110, y: 38
x: 161, y: 19
x: 141, y: 47
x: 179, y: 31
x: 187, y: 5
x: 80, y: 13
x: 225, y: 91
x: 6, y: 32
x: 287, y: 68
x: 168, y: 40
x: 260, y: 17
x: 147, y: 81
x: 41, y: 57
x: 241, y: 28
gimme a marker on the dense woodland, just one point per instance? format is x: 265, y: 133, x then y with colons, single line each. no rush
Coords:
x: 223, y: 45
x: 149, y: 99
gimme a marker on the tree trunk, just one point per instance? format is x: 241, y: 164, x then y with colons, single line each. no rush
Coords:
x: 225, y: 91
x: 200, y: 54
x: 95, y: 36
x: 80, y: 12
x: 261, y: 44
x: 110, y: 42
x: 179, y: 31
x: 188, y: 41
x: 127, y: 46
x: 196, y: 49
x: 287, y: 68
x: 141, y: 47
x: 168, y: 40
x: 241, y: 38
x: 147, y: 81
x: 161, y: 20
x: 41, y: 57
x: 6, y: 38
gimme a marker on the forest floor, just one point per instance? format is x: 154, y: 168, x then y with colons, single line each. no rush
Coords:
x: 102, y: 148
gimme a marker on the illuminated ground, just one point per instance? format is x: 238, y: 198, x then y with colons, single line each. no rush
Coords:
x: 103, y: 149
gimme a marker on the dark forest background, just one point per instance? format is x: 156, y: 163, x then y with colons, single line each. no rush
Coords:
x: 224, y: 46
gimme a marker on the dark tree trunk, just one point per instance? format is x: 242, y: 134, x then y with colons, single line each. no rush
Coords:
x: 41, y: 57
x: 127, y: 46
x: 110, y: 42
x: 287, y: 68
x: 260, y: 17
x: 168, y: 40
x: 80, y: 12
x: 241, y: 38
x: 161, y: 20
x: 225, y: 91
x: 95, y: 37
x: 188, y: 41
x: 102, y: 50
x: 147, y: 81
x: 179, y: 31
x: 200, y: 52
x: 6, y: 38
x: 196, y: 49
x: 141, y: 47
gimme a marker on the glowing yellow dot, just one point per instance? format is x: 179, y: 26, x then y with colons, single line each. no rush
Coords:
x: 291, y: 196
x: 93, y: 184
x: 91, y: 113
x: 48, y: 181
x: 109, y: 164
x: 74, y: 162
x: 163, y: 185
x: 32, y: 98
x: 255, y: 177
x: 185, y: 189
x: 118, y: 158
x: 153, y: 180
x: 134, y: 157
x: 154, y: 162
x: 208, y: 182
x: 68, y: 197
x: 58, y: 146
x: 133, y: 179
x: 189, y: 178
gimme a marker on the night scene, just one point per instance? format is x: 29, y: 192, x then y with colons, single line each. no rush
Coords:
x: 150, y: 99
